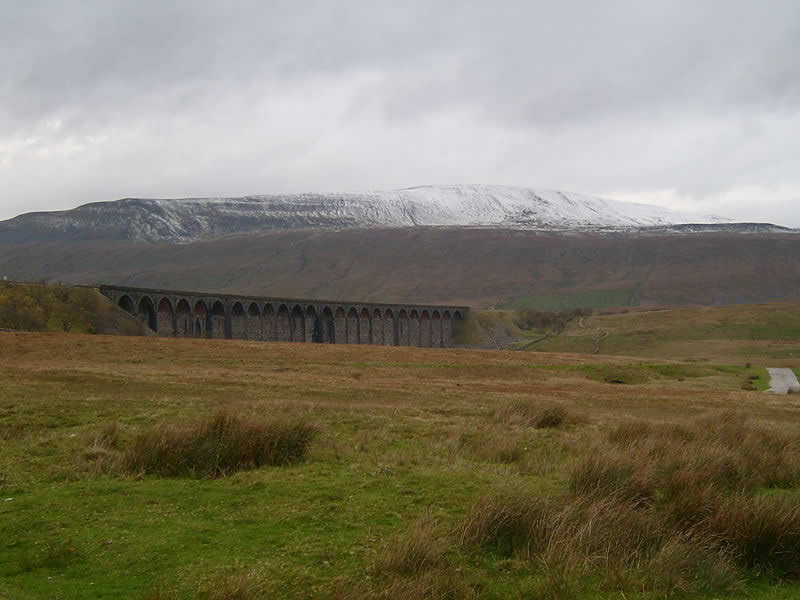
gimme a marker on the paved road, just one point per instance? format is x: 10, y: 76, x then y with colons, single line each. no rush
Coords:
x: 783, y: 380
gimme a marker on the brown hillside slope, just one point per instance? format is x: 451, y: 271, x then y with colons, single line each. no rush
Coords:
x: 473, y: 266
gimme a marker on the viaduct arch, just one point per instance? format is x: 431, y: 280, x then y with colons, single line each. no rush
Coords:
x: 174, y: 313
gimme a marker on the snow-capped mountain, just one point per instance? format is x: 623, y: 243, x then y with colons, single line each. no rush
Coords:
x: 455, y: 206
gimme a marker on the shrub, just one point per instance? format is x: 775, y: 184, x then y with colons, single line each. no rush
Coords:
x: 217, y: 446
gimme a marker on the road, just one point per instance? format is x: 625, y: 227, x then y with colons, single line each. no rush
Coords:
x: 783, y: 380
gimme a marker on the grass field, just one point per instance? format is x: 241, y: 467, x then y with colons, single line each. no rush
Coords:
x: 758, y: 333
x: 419, y: 457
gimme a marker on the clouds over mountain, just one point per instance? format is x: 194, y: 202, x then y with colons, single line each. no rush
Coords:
x: 687, y: 103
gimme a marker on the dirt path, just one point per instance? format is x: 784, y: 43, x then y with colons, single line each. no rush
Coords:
x: 783, y: 380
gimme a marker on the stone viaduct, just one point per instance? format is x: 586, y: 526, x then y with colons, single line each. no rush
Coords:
x: 197, y: 314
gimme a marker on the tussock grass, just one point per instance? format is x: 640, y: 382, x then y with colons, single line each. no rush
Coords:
x: 762, y: 531
x: 218, y: 446
x: 443, y: 583
x: 52, y: 555
x: 618, y: 539
x: 108, y: 437
x: 101, y: 455
x: 492, y: 444
x: 418, y: 549
x: 533, y: 413
x: 239, y: 586
x: 728, y: 451
x: 676, y: 509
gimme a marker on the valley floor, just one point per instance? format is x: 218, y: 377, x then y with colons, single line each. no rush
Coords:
x: 408, y: 439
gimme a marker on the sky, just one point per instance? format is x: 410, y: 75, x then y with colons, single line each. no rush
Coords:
x: 690, y: 104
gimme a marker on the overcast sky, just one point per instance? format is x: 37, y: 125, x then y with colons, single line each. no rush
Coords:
x: 689, y: 104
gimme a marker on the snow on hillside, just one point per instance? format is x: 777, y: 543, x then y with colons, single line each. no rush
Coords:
x: 459, y: 206
x: 463, y: 205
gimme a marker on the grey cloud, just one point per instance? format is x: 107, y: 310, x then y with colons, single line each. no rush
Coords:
x: 200, y: 97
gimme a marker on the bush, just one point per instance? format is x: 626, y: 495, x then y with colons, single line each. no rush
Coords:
x: 217, y: 447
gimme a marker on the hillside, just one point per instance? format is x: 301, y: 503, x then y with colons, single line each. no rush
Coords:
x: 478, y: 267
x: 34, y: 307
x: 189, y: 219
x: 757, y: 333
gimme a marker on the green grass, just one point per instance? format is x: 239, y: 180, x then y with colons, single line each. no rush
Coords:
x: 722, y: 334
x: 290, y: 521
x: 403, y: 435
x: 633, y: 374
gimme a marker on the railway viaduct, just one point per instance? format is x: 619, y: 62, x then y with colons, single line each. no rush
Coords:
x: 196, y: 314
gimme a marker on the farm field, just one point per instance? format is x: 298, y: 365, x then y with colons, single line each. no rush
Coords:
x: 432, y: 473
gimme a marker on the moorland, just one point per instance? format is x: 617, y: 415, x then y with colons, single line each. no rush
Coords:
x: 142, y: 467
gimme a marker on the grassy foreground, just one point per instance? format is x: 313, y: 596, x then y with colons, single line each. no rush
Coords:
x: 431, y: 473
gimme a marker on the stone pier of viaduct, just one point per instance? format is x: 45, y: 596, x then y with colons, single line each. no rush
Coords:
x: 196, y: 314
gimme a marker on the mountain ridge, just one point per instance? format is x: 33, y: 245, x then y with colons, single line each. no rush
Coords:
x: 481, y: 206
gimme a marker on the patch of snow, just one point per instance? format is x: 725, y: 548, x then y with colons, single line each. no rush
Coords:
x: 187, y: 219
